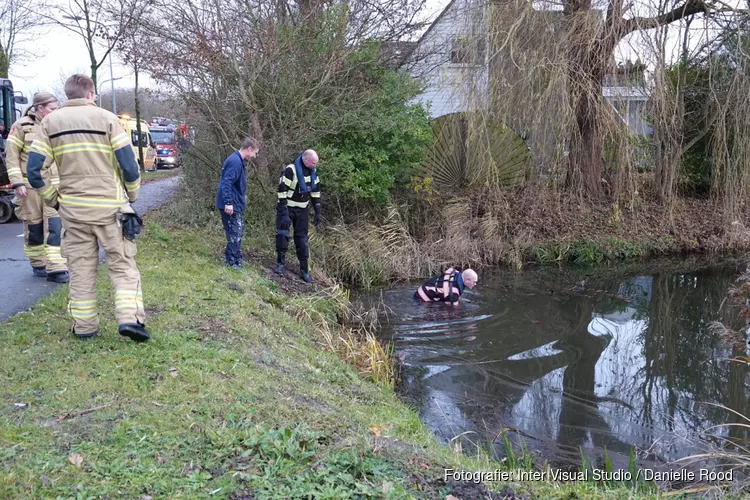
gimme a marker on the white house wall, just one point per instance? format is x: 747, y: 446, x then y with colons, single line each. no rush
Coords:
x: 451, y: 87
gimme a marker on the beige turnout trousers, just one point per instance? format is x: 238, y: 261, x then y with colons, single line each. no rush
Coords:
x: 41, y: 232
x: 80, y: 244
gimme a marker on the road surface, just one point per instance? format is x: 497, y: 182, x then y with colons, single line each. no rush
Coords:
x: 19, y: 289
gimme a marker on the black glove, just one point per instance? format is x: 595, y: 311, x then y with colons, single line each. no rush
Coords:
x: 316, y: 219
x: 131, y: 226
x: 285, y: 222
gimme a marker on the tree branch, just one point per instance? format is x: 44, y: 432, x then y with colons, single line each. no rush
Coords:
x: 689, y: 8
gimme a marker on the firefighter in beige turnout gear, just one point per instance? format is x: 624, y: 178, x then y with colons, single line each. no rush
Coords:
x: 98, y: 178
x: 42, y: 227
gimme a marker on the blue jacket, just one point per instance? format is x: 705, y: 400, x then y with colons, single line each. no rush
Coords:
x: 233, y: 184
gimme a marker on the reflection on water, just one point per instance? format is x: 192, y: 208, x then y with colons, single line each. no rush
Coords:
x: 572, y: 363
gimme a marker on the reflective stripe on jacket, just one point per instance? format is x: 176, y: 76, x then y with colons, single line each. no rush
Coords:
x: 288, y: 191
x: 87, y: 143
x: 21, y: 136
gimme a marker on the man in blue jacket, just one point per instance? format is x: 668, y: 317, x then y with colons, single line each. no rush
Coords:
x: 231, y: 196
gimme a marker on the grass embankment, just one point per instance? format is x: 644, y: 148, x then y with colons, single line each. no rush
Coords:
x: 158, y: 175
x: 232, y: 398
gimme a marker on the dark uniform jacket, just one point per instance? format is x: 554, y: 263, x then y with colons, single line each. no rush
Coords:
x: 291, y: 193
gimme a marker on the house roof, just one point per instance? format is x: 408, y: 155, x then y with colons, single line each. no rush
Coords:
x: 429, y: 29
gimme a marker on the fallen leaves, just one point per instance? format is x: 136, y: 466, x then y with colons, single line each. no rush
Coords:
x: 75, y: 459
x: 378, y: 429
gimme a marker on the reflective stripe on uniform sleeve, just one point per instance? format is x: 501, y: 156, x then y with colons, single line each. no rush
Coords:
x: 315, y: 194
x: 132, y: 186
x: 48, y: 192
x: 78, y: 147
x: 41, y: 148
x: 16, y: 141
x: 14, y: 171
x: 119, y: 141
x: 282, y: 195
x: 81, y: 201
x: 286, y: 181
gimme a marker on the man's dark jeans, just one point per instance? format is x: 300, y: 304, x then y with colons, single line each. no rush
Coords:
x: 233, y: 230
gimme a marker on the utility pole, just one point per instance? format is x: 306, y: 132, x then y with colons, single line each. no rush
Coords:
x: 112, y: 77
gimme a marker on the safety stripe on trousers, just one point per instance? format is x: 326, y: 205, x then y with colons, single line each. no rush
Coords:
x: 53, y: 254
x: 128, y: 299
x: 34, y: 251
x: 82, y: 309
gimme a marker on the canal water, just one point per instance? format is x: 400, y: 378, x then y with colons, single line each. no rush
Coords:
x: 562, y: 360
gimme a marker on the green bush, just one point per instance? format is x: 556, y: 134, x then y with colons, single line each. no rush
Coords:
x: 381, y: 144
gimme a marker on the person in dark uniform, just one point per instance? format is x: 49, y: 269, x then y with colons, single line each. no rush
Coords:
x: 298, y: 185
x: 448, y: 287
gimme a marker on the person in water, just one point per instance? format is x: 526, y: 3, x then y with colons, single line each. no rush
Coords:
x: 448, y: 287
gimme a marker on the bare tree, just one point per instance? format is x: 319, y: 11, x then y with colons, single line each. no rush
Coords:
x: 93, y: 21
x: 272, y: 68
x: 591, y: 48
x: 20, y: 22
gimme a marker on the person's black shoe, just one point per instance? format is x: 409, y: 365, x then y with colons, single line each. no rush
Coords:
x: 279, y: 269
x: 58, y: 277
x: 40, y: 272
x: 306, y: 277
x: 84, y: 336
x: 135, y: 331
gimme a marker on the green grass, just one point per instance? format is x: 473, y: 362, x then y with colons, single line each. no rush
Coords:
x: 586, y: 252
x: 232, y: 398
x: 147, y: 177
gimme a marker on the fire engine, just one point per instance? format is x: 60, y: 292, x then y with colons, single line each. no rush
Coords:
x: 9, y: 113
x: 165, y: 142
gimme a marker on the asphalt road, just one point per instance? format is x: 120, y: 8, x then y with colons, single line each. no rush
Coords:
x: 19, y: 289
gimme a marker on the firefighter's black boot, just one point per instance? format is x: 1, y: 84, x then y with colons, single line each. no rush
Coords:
x: 136, y: 331
x: 40, y: 272
x: 58, y: 277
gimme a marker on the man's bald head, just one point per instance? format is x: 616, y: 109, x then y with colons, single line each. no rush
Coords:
x: 470, y: 278
x: 310, y: 158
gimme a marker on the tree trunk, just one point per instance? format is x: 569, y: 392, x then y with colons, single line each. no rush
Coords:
x: 587, y: 148
x: 4, y: 63
x: 138, y: 118
x: 94, y: 66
